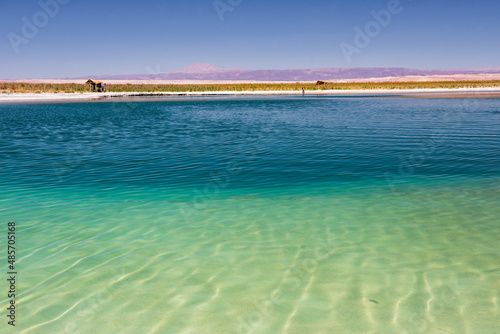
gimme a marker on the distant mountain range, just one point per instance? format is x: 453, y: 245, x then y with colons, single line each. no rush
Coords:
x: 203, y: 71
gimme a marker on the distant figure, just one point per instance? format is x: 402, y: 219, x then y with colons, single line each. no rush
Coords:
x: 303, y: 91
x: 103, y: 87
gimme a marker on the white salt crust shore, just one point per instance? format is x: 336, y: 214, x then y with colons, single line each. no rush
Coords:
x: 80, y: 97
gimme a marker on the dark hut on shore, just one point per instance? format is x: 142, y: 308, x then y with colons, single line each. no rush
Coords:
x: 322, y: 83
x: 96, y: 85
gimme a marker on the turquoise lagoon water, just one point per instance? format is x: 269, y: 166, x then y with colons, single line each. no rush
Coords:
x: 265, y: 215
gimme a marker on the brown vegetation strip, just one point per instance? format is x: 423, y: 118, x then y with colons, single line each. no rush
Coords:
x: 19, y: 87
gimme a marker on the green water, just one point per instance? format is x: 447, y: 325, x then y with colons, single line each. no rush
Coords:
x: 261, y: 216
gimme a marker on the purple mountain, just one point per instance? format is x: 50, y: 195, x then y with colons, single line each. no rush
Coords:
x: 212, y: 72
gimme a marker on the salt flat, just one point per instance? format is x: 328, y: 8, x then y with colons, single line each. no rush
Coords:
x: 75, y: 97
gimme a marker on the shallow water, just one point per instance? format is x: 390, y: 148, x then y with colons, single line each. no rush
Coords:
x: 273, y: 215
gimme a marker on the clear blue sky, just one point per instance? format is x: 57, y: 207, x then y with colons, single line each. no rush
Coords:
x: 126, y: 37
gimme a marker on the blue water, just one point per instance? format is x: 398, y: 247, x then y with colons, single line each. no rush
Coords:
x: 334, y: 215
x: 276, y: 142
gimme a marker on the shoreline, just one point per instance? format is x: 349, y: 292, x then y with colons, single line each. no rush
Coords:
x: 9, y: 98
